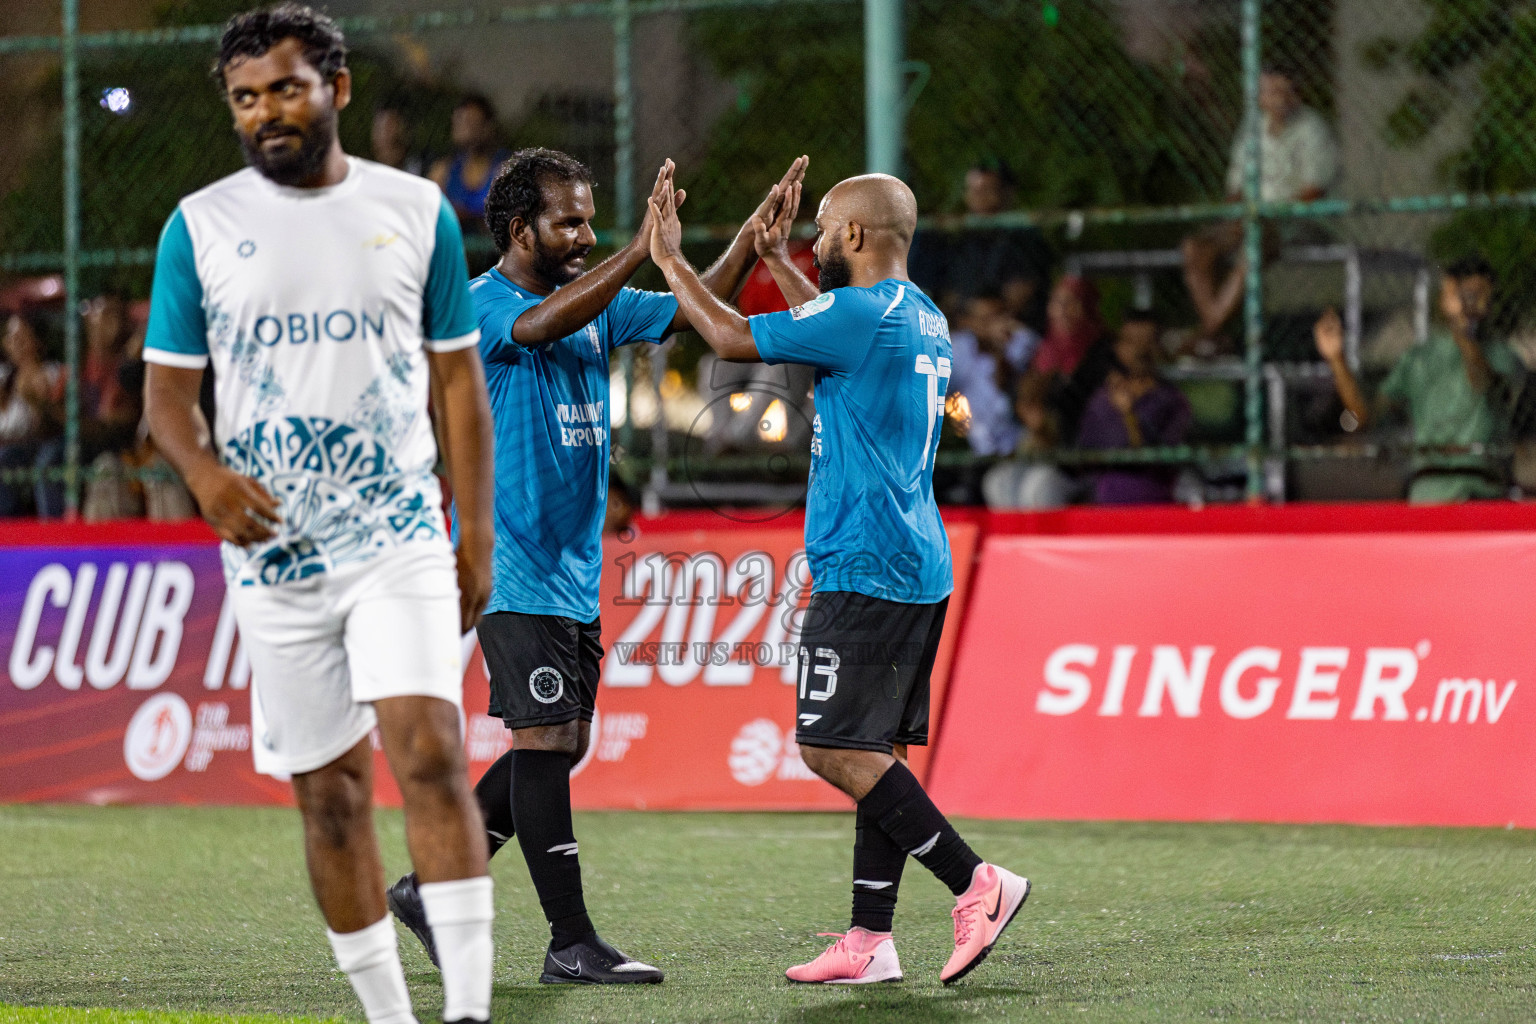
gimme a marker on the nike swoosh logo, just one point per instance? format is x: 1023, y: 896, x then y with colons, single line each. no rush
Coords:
x: 573, y: 968
x: 998, y: 909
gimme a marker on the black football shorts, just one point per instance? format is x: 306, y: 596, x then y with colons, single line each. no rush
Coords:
x: 544, y: 668
x: 863, y: 672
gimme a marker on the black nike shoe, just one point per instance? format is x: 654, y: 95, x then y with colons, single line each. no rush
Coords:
x: 405, y: 903
x: 593, y: 962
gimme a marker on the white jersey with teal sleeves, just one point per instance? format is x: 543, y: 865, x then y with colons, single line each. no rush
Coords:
x: 316, y: 308
x: 882, y: 358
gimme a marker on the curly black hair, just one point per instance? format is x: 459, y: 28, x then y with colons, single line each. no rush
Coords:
x: 518, y: 189
x: 253, y: 33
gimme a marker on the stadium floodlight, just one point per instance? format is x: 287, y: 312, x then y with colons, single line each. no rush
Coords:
x: 117, y: 99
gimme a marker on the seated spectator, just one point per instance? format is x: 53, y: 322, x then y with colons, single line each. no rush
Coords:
x: 1299, y: 162
x: 1012, y: 263
x: 136, y: 481
x: 990, y: 350
x: 1031, y: 480
x: 31, y: 407
x: 390, y: 141
x: 109, y: 413
x: 1135, y: 408
x: 1458, y: 389
x: 1075, y: 354
x: 465, y: 177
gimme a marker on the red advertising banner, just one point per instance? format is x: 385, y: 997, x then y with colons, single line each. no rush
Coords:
x: 1374, y: 678
x: 697, y: 703
x: 124, y: 680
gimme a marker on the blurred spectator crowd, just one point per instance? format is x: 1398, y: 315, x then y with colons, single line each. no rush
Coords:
x: 1038, y: 367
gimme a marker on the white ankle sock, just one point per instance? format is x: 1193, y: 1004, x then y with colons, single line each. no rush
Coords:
x: 371, y: 960
x: 460, y: 915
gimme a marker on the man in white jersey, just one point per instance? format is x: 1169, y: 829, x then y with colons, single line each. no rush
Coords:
x: 330, y: 296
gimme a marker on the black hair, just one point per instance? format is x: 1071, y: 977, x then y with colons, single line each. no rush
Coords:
x: 1141, y: 316
x: 253, y: 33
x: 480, y: 101
x: 518, y: 188
x: 1282, y: 68
x: 996, y: 166
x: 1470, y: 266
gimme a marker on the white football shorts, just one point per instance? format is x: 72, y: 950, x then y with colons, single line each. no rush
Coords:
x: 322, y: 649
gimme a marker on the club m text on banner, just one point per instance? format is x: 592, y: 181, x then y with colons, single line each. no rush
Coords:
x: 124, y: 680
x: 1373, y: 678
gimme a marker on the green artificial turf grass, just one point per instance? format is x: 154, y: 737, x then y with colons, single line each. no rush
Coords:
x: 206, y: 910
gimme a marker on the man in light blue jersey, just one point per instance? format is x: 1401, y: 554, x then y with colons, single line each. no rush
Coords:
x: 329, y: 295
x: 878, y: 553
x: 547, y: 327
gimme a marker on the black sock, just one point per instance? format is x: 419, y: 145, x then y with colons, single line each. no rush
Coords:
x: 906, y: 814
x: 494, y: 795
x: 541, y: 806
x: 877, y: 864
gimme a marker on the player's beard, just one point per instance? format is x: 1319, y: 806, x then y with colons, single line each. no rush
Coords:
x: 835, y: 269
x: 558, y: 268
x: 293, y: 166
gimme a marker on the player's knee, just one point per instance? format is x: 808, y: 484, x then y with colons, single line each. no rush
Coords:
x: 433, y: 761
x: 821, y: 760
x: 564, y: 738
x: 335, y: 806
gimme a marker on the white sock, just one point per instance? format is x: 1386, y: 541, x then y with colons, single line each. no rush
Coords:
x: 460, y: 915
x: 372, y: 962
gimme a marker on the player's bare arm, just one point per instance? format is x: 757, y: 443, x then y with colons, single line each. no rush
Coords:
x: 565, y: 228
x: 722, y: 327
x: 723, y: 278
x: 771, y: 231
x: 464, y: 418
x: 238, y: 508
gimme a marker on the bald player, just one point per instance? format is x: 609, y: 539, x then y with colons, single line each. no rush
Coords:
x: 878, y: 553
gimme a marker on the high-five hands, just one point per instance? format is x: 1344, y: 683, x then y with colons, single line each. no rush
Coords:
x: 664, y: 183
x: 666, y: 229
x: 775, y: 216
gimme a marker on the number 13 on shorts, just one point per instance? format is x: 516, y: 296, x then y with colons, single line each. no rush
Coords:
x: 825, y: 666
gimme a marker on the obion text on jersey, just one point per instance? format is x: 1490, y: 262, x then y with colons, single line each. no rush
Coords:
x: 304, y: 328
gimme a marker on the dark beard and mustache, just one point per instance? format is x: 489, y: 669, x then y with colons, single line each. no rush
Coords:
x: 292, y: 167
x: 552, y: 267
x: 835, y: 269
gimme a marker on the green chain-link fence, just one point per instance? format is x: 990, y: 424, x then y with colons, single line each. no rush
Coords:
x: 1108, y: 131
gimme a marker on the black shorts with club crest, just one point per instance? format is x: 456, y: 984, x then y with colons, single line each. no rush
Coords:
x: 544, y: 668
x: 863, y: 673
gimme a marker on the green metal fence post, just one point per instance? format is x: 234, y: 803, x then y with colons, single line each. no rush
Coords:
x: 624, y: 181
x: 1253, y: 247
x: 884, y: 107
x: 70, y: 41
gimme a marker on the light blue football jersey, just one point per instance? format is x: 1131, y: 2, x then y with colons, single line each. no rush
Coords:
x: 550, y: 407
x: 882, y: 358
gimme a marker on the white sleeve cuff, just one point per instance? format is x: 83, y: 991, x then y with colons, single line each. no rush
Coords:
x: 180, y: 360
x: 463, y: 341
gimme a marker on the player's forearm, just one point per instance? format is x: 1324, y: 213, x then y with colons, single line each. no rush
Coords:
x: 577, y: 304
x: 464, y: 421
x: 725, y: 275
x: 1348, y: 387
x: 796, y: 288
x: 722, y: 328
x: 176, y: 422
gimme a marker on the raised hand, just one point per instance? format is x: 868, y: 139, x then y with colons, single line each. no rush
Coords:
x: 1328, y: 333
x: 666, y: 229
x: 664, y: 184
x: 774, y: 218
